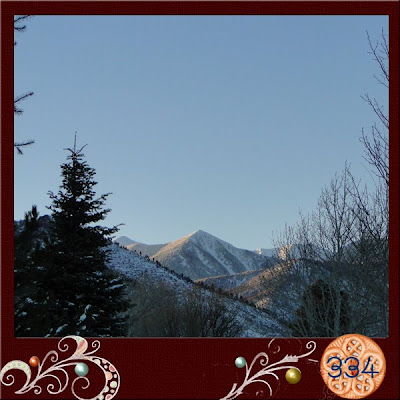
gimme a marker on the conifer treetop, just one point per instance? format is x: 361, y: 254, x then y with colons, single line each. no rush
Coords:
x: 75, y: 153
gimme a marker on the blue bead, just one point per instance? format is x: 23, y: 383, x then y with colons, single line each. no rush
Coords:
x: 240, y: 362
x: 81, y: 369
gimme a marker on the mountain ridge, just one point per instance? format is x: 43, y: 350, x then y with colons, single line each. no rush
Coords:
x: 201, y: 255
x: 124, y: 241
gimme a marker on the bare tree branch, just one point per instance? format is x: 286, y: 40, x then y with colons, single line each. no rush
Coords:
x: 376, y: 145
x: 380, y: 52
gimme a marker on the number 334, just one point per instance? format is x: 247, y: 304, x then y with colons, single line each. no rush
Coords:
x: 352, y: 367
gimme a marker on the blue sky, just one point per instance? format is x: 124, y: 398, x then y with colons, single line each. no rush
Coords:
x: 229, y: 124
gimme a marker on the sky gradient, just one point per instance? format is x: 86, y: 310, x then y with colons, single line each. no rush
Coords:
x: 229, y: 124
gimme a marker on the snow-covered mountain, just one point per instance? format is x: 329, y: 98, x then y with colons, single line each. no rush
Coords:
x: 124, y: 241
x: 201, y: 255
x: 140, y: 248
x: 133, y: 266
x: 146, y: 249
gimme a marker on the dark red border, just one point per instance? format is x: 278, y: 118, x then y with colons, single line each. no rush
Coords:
x: 190, y: 368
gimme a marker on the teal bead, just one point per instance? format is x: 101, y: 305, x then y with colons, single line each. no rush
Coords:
x: 81, y: 369
x: 240, y: 362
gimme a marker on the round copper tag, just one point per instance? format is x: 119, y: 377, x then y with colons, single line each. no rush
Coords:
x: 353, y: 366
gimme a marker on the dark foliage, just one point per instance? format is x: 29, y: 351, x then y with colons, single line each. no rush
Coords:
x: 75, y: 291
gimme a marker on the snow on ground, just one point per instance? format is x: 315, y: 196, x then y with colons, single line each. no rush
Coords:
x: 60, y: 328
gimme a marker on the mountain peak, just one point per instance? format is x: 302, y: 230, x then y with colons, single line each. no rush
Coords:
x: 198, y: 233
x: 124, y: 241
x: 201, y: 235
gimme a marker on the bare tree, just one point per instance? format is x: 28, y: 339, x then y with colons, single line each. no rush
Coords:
x: 376, y: 145
x: 314, y: 250
x: 163, y: 310
x: 19, y: 26
x: 343, y: 243
x: 207, y: 314
x: 372, y: 207
x: 324, y: 311
x: 153, y: 308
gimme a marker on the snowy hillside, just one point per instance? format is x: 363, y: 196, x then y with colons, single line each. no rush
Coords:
x: 256, y: 323
x: 133, y: 266
x: 201, y: 255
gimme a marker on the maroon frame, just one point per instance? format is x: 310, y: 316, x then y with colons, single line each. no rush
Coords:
x: 190, y: 368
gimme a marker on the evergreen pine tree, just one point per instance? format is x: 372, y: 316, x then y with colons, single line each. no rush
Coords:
x: 87, y: 299
x: 75, y: 293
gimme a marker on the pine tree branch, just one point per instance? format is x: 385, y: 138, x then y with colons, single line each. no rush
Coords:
x: 18, y: 146
x: 18, y: 99
x: 19, y: 25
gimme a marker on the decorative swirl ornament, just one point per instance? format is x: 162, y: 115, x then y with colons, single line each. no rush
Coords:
x: 111, y: 375
x: 263, y: 360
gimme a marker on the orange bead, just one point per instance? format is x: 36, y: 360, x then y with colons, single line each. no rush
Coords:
x: 34, y: 361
